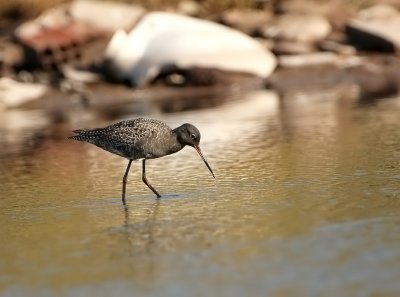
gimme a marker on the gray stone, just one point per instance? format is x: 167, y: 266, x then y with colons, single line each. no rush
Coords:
x: 284, y: 47
x: 375, y: 29
x: 247, y: 21
x: 299, y: 27
x: 308, y: 60
x: 336, y: 47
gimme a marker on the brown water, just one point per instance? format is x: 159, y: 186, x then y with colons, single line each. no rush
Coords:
x: 306, y: 202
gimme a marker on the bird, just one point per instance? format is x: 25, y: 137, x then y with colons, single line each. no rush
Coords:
x: 142, y: 139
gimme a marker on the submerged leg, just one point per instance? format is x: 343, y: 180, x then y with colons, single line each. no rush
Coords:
x: 124, y: 181
x: 144, y: 179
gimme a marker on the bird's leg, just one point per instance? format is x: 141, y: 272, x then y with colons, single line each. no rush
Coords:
x: 124, y: 180
x: 144, y: 179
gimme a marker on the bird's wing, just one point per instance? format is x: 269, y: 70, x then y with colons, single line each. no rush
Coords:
x: 139, y: 138
x: 133, y: 139
x: 134, y: 132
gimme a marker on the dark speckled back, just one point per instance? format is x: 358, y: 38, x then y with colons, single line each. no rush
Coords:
x: 133, y: 139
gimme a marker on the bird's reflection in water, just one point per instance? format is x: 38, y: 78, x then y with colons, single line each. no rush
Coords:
x: 139, y: 229
x: 148, y: 225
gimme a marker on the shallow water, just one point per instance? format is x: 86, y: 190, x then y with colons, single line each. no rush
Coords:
x: 306, y: 202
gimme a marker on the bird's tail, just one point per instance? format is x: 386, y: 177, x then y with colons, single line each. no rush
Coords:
x: 85, y: 135
x: 78, y: 136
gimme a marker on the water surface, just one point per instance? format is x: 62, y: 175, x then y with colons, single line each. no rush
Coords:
x: 306, y: 202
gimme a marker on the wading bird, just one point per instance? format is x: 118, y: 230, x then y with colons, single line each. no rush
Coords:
x: 142, y: 139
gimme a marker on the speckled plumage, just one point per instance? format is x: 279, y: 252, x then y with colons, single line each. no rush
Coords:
x: 142, y: 139
x: 133, y: 139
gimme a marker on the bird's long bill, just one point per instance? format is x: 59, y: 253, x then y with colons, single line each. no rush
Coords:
x: 205, y: 162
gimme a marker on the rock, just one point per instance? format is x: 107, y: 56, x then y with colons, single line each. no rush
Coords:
x: 50, y: 47
x: 336, y: 47
x: 62, y: 34
x: 11, y: 55
x: 375, y: 29
x: 80, y: 76
x: 308, y: 60
x: 316, y: 7
x: 248, y: 21
x: 378, y: 12
x: 14, y: 94
x: 336, y: 12
x: 297, y: 33
x: 163, y: 40
x: 285, y: 47
x: 189, y: 7
x: 365, y: 77
x: 107, y: 16
x: 299, y: 27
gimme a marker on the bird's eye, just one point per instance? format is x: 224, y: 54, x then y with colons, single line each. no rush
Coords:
x: 193, y: 136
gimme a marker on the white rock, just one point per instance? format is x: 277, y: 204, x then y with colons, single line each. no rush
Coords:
x: 14, y: 93
x: 161, y: 39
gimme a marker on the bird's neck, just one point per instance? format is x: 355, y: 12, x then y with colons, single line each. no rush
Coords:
x: 176, y: 146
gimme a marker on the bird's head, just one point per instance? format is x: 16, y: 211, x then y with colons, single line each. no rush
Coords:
x: 189, y: 135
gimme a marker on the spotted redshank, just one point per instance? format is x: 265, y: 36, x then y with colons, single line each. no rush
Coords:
x: 142, y: 139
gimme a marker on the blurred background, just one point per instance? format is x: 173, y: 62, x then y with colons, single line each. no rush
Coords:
x: 298, y: 105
